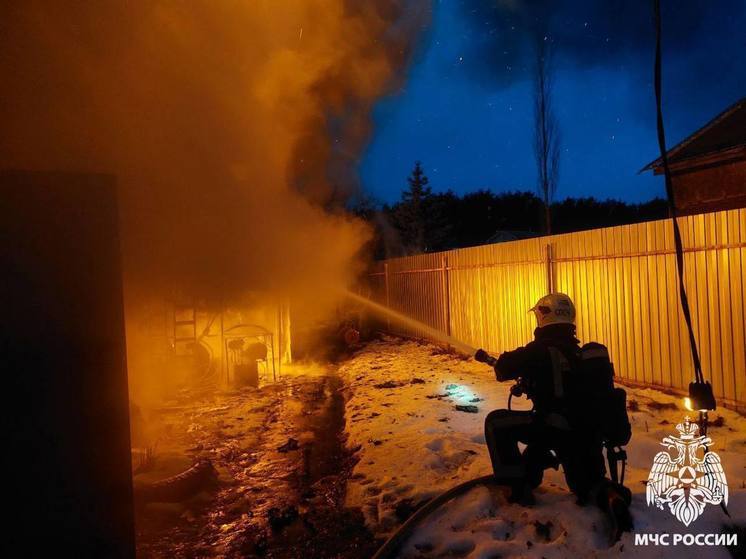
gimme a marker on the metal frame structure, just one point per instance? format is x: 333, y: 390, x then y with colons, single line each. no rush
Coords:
x: 261, y: 334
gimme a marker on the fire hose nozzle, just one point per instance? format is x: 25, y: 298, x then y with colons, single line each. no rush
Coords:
x: 484, y: 357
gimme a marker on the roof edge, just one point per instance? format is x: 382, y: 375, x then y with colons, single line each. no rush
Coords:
x: 696, y: 134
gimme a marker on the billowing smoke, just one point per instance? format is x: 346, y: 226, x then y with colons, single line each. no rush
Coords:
x: 233, y: 128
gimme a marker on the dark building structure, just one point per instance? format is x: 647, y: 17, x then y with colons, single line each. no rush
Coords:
x: 65, y: 415
x: 504, y: 236
x: 708, y: 168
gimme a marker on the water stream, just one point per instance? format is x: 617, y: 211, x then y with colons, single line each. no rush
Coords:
x: 405, y: 320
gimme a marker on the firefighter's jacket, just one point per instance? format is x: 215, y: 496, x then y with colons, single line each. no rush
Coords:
x: 534, y: 363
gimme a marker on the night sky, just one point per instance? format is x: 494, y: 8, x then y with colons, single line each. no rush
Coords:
x: 465, y: 108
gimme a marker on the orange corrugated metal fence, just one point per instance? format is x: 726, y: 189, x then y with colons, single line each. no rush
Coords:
x: 623, y: 282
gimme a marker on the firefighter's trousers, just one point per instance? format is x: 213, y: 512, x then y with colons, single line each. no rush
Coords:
x: 548, y: 438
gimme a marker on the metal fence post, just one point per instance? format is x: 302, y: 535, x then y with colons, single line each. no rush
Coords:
x: 386, y: 286
x: 550, y: 269
x: 446, y: 293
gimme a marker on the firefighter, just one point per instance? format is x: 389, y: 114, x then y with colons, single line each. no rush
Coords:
x: 569, y: 386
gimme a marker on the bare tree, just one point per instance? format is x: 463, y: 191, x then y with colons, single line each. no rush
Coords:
x: 546, y: 129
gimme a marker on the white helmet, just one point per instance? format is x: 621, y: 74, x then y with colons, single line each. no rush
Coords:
x: 555, y: 308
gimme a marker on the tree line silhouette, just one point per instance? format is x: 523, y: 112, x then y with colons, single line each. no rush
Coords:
x: 424, y: 221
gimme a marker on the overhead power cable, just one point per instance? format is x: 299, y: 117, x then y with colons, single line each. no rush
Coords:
x: 670, y: 196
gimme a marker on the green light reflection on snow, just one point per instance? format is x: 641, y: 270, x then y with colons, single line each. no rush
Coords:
x: 461, y: 394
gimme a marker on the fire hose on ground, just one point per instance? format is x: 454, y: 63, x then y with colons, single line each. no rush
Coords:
x: 389, y: 549
x: 178, y: 487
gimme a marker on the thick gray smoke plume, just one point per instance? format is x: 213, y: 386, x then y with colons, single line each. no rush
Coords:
x: 233, y: 128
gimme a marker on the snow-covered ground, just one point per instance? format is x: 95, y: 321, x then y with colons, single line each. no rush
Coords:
x: 414, y: 444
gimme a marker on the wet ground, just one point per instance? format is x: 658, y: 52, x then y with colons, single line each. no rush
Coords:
x: 282, y: 464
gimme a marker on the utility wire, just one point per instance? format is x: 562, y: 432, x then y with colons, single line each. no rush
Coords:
x: 670, y: 198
